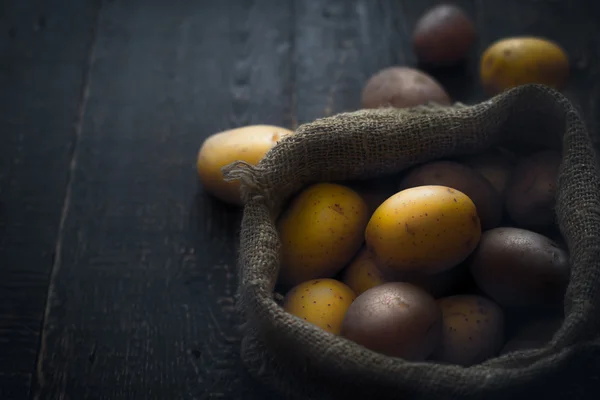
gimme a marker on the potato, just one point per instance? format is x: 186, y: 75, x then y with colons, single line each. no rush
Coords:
x: 423, y: 230
x: 397, y: 319
x: 443, y: 36
x: 464, y: 179
x: 322, y: 302
x: 533, y: 335
x: 320, y: 232
x: 362, y: 274
x: 473, y: 330
x: 520, y: 268
x: 531, y: 191
x: 402, y: 87
x: 249, y: 143
x: 493, y: 166
x: 520, y: 60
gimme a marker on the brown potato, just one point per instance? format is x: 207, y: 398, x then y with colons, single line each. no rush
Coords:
x: 396, y: 319
x: 533, y: 335
x: 473, y: 330
x: 402, y: 87
x: 464, y: 179
x: 531, y: 191
x: 493, y: 166
x: 520, y: 268
x: 443, y: 35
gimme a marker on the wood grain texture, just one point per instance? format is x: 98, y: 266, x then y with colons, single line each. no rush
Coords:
x: 42, y: 69
x: 141, y: 303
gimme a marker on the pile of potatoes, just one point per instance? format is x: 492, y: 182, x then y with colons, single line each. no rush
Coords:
x: 455, y: 260
x: 443, y: 262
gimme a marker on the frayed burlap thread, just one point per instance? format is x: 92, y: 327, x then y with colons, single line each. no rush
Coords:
x: 300, y: 361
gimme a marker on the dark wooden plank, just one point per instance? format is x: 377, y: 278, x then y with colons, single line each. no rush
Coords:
x: 141, y: 302
x: 338, y: 45
x: 570, y: 24
x: 43, y: 54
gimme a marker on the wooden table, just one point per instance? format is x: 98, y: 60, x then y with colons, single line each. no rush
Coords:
x: 117, y: 272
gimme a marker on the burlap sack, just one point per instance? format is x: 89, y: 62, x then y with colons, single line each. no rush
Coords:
x: 304, y: 362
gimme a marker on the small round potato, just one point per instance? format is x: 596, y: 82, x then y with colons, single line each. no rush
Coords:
x: 362, y: 274
x: 423, y: 230
x: 520, y: 60
x: 322, y: 302
x: 402, y: 87
x: 520, y: 268
x: 464, y: 179
x: 473, y: 330
x: 249, y: 143
x: 531, y: 191
x: 320, y: 232
x: 443, y: 36
x: 397, y: 319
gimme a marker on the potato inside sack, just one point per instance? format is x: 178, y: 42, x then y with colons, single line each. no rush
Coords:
x: 423, y: 230
x: 320, y: 232
x: 520, y: 268
x: 249, y: 144
x: 322, y: 302
x: 473, y: 330
x: 467, y: 180
x: 396, y: 319
x: 362, y: 273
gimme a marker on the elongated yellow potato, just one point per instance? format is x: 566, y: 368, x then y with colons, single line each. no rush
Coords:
x: 320, y: 232
x: 425, y: 229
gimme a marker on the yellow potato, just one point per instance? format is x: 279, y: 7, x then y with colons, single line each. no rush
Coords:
x: 322, y: 302
x: 520, y: 60
x: 473, y: 330
x: 362, y: 273
x: 425, y: 229
x: 320, y: 232
x: 249, y: 144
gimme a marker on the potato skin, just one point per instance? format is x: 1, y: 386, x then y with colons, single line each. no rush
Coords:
x: 493, y: 166
x: 464, y: 179
x: 320, y: 232
x: 362, y: 273
x: 249, y: 143
x: 423, y: 230
x: 520, y: 268
x: 402, y: 87
x: 397, y: 319
x: 531, y: 191
x: 443, y: 36
x: 322, y: 302
x: 520, y: 60
x: 473, y: 330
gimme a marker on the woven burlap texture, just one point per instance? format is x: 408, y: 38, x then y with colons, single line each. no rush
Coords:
x: 301, y: 361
